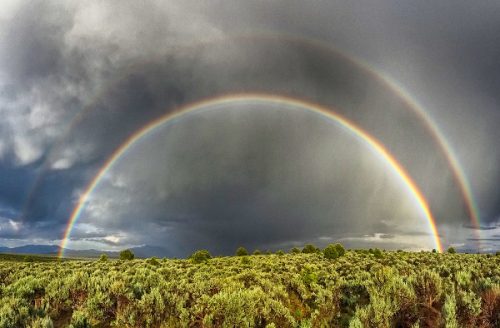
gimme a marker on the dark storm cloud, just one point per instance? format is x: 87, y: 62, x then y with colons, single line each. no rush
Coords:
x: 127, y: 65
x: 480, y: 227
x: 220, y: 179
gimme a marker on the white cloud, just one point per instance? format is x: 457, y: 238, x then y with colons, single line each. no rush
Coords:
x: 25, y: 150
x: 113, y: 239
x: 61, y: 164
x: 412, y: 242
x: 9, y: 227
x: 15, y: 225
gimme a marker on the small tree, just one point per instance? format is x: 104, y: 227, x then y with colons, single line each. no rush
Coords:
x: 295, y: 250
x: 434, y: 250
x: 309, y: 248
x: 330, y: 252
x: 451, y: 250
x: 126, y: 255
x: 200, y: 256
x: 103, y: 258
x: 257, y: 252
x: 340, y: 249
x: 241, y: 251
x: 280, y: 252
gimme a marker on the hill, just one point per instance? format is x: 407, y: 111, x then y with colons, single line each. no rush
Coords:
x: 52, y: 250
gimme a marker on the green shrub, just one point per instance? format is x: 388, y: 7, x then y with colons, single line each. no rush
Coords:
x: 241, y: 251
x: 103, y: 258
x: 404, y: 289
x: 42, y: 323
x: 153, y: 261
x: 451, y: 250
x: 330, y: 252
x: 79, y: 320
x: 309, y: 249
x: 245, y: 260
x: 257, y: 252
x: 200, y: 256
x: 449, y: 312
x: 340, y: 249
x: 377, y: 253
x: 295, y: 250
x: 127, y: 255
x: 308, y: 275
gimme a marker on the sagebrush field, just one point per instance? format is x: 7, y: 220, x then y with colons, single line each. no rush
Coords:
x: 359, y: 289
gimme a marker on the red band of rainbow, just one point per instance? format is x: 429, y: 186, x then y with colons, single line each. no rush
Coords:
x: 373, y: 143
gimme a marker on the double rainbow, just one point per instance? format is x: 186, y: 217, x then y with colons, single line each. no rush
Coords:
x: 369, y: 140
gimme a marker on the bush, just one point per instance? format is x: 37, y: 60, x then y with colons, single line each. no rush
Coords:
x: 308, y: 275
x: 79, y: 320
x: 200, y: 256
x: 377, y: 252
x: 340, y: 249
x: 295, y: 250
x: 153, y: 261
x: 241, y: 251
x: 245, y: 260
x: 451, y: 250
x: 126, y: 255
x: 280, y: 252
x: 257, y: 252
x: 103, y: 258
x: 330, y: 252
x: 309, y: 249
x: 42, y: 323
x: 400, y: 290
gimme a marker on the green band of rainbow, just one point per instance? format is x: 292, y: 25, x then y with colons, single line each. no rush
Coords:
x: 244, y: 98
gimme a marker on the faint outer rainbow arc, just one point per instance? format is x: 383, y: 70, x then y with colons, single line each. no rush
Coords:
x: 458, y: 172
x: 418, y: 109
x: 361, y: 64
x: 270, y: 99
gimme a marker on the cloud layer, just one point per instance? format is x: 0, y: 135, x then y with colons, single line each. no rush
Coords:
x: 77, y: 79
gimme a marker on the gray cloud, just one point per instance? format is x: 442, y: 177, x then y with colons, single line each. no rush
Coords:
x: 78, y: 79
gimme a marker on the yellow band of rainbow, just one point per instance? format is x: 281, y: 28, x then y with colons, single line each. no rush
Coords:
x: 245, y: 98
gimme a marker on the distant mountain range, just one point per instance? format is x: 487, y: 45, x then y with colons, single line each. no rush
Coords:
x: 139, y: 252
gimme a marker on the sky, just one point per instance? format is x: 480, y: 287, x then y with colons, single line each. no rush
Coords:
x: 78, y: 79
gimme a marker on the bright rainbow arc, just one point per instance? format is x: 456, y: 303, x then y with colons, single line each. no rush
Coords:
x: 465, y: 188
x: 391, y: 84
x: 272, y: 99
x: 432, y: 127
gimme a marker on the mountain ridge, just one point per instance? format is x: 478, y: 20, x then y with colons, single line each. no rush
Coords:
x: 139, y: 252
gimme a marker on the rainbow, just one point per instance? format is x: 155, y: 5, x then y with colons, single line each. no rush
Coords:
x: 457, y: 170
x: 453, y: 163
x: 373, y: 143
x: 419, y: 110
